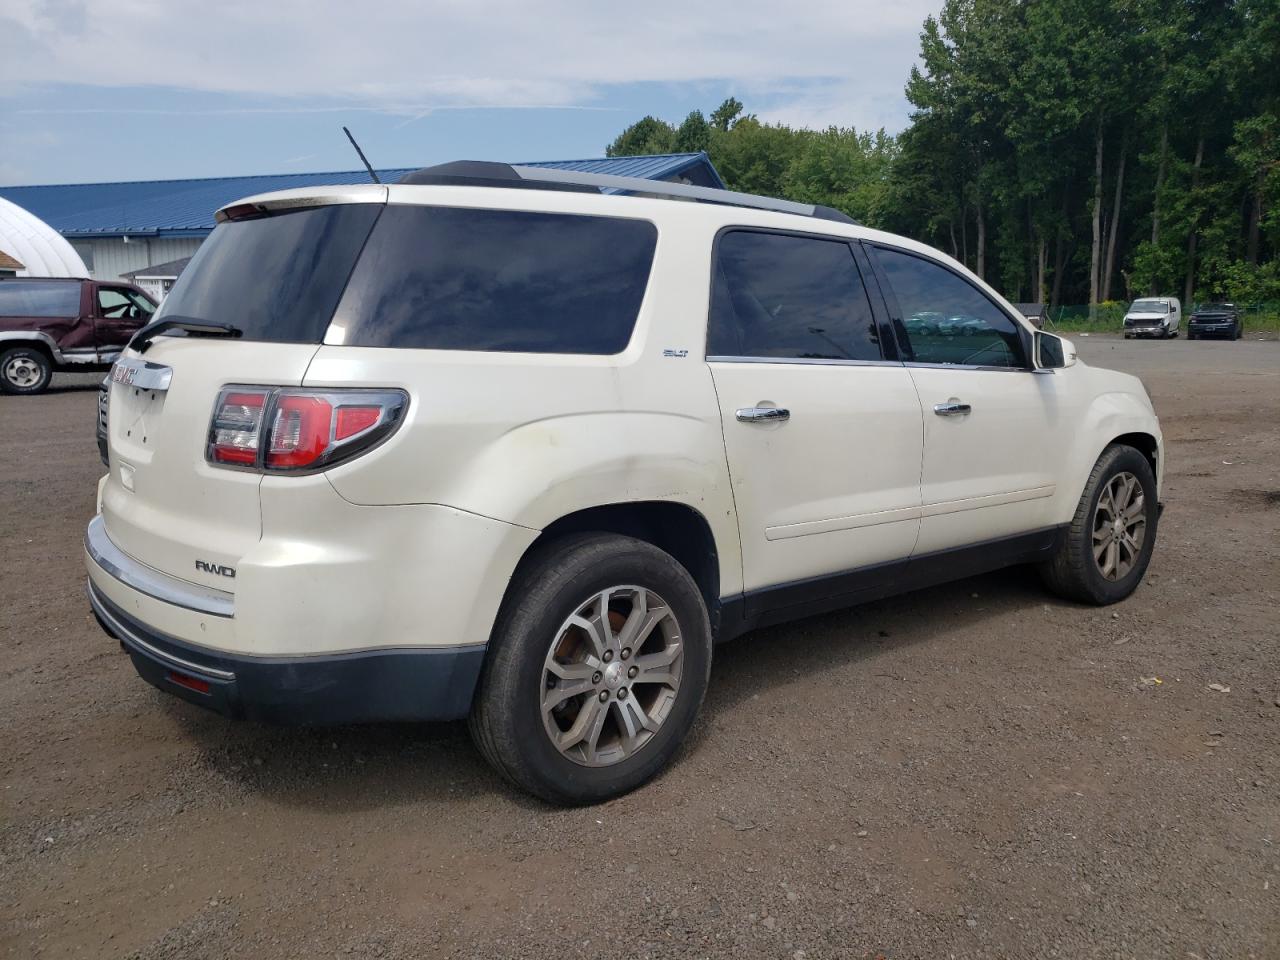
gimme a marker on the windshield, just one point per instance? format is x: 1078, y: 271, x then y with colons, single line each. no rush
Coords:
x: 1150, y: 306
x: 1217, y: 306
x: 275, y: 278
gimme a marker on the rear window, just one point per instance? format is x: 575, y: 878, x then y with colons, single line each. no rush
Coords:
x: 450, y: 278
x: 39, y: 298
x: 276, y: 278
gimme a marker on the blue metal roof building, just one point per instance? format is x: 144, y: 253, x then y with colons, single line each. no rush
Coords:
x: 184, y: 208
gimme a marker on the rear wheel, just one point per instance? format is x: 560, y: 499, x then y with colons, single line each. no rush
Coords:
x: 596, y: 670
x: 25, y: 370
x: 1106, y: 549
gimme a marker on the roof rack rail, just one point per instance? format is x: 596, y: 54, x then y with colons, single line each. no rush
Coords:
x: 478, y: 173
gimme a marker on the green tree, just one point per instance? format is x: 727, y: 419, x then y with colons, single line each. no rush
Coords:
x: 646, y: 136
x: 694, y: 134
x: 1069, y: 149
x: 725, y: 115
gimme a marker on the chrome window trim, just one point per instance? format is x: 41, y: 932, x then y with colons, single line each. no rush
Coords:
x: 159, y: 586
x: 129, y: 636
x: 967, y: 366
x: 807, y: 361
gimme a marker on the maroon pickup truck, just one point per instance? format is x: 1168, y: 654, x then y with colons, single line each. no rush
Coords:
x: 49, y: 325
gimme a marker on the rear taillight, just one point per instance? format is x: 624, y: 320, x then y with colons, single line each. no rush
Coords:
x: 236, y: 433
x: 287, y: 429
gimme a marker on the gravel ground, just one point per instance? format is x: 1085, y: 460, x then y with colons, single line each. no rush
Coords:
x: 973, y: 771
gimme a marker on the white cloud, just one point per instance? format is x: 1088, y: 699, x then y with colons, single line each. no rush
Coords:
x: 812, y: 62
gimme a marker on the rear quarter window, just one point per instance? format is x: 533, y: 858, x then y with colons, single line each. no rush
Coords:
x: 452, y: 278
x: 36, y: 298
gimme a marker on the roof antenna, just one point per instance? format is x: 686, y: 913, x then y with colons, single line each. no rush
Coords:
x: 363, y: 159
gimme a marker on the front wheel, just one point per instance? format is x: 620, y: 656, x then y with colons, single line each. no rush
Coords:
x: 1106, y: 549
x: 596, y: 669
x: 25, y: 370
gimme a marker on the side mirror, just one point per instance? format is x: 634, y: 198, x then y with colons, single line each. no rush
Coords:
x: 1052, y: 352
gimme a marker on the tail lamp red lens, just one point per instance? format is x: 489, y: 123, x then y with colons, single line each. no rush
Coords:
x: 300, y: 431
x: 285, y: 429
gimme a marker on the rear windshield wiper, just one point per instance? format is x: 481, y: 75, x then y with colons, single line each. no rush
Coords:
x: 193, y: 328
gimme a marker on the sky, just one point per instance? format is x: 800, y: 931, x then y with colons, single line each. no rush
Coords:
x: 100, y: 90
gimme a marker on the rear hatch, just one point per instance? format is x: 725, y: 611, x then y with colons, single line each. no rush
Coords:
x: 275, y: 276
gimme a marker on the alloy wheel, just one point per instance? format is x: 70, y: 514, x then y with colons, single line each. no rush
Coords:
x: 1119, y: 526
x: 611, y: 676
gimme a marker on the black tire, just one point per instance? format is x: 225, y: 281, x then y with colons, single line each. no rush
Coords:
x: 1072, y: 572
x: 1191, y: 336
x: 506, y: 720
x: 1239, y: 332
x: 25, y: 371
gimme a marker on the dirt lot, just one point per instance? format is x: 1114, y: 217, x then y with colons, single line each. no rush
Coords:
x: 976, y: 771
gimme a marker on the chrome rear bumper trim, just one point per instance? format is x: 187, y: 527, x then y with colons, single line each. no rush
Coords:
x: 160, y: 586
x: 131, y: 638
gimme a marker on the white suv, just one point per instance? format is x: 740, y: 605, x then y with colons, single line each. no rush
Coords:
x: 522, y: 445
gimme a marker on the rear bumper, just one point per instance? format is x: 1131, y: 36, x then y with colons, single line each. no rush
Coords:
x: 434, y: 683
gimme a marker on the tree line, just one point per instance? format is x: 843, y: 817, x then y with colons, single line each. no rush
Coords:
x: 1067, y: 151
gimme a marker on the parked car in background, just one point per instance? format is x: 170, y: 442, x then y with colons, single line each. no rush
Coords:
x: 1215, y: 320
x: 1153, y: 317
x: 532, y: 476
x: 925, y: 322
x: 960, y: 326
x: 49, y: 325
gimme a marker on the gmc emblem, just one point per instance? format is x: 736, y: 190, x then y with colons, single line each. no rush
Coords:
x: 216, y: 569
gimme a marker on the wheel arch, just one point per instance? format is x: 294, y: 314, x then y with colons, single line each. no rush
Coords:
x: 1113, y: 417
x: 671, y: 526
x: 31, y: 338
x: 1144, y: 443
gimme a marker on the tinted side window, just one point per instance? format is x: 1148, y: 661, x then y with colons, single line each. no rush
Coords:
x: 449, y: 278
x: 39, y: 298
x: 948, y: 320
x: 276, y: 278
x: 775, y: 295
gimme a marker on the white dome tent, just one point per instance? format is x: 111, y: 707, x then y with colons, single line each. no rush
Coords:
x: 41, y: 250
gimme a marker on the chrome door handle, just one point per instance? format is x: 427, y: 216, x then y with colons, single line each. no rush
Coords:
x: 951, y: 409
x: 761, y: 414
